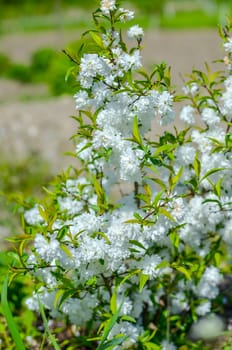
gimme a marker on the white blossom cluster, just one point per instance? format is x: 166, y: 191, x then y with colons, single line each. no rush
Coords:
x: 90, y: 250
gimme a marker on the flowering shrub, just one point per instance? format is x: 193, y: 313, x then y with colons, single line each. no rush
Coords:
x: 134, y: 243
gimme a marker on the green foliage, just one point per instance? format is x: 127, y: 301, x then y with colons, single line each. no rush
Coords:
x: 19, y: 72
x: 41, y: 61
x: 24, y: 176
x: 56, y: 77
x: 4, y: 63
x: 150, y: 7
x: 47, y: 67
x: 9, y: 318
x: 189, y: 19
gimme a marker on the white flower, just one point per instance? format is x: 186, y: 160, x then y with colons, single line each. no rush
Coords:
x: 203, y: 308
x: 126, y: 306
x: 177, y: 207
x: 191, y: 89
x: 33, y: 217
x: 130, y: 61
x: 125, y: 328
x: 126, y: 15
x: 149, y: 265
x: 129, y: 165
x: 226, y: 99
x: 48, y: 251
x: 187, y: 115
x: 84, y: 150
x: 166, y: 345
x: 185, y: 154
x: 179, y: 303
x: 209, y: 327
x: 81, y: 99
x: 164, y: 103
x: 226, y: 232
x: 92, y: 65
x: 208, y: 285
x: 79, y: 311
x: 135, y: 32
x: 72, y: 206
x: 107, y: 6
x: 228, y: 45
x: 210, y: 117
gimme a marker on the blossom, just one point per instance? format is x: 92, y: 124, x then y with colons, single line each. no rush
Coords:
x: 228, y: 45
x: 203, y: 308
x: 177, y: 207
x: 125, y: 328
x: 107, y: 6
x: 126, y: 15
x: 130, y: 165
x: 208, y: 327
x: 179, y: 303
x: 135, y: 32
x: 187, y: 115
x: 129, y: 61
x: 210, y: 117
x: 81, y: 99
x: 92, y: 65
x: 33, y: 216
x: 185, y: 154
x: 164, y: 103
x: 191, y: 89
x: 149, y: 265
x: 208, y: 285
x: 72, y: 206
x: 166, y: 345
x: 47, y: 250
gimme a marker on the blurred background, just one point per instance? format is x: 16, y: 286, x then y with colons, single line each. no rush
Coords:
x: 35, y: 99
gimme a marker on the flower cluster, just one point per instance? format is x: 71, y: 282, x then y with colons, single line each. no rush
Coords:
x: 143, y: 219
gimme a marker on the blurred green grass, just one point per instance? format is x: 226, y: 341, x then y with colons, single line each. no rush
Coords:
x: 31, y: 15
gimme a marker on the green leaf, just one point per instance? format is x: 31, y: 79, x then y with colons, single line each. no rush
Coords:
x: 176, y: 178
x: 51, y: 337
x: 151, y: 346
x: 135, y: 272
x: 113, y: 302
x: 136, y: 133
x: 210, y: 172
x: 128, y: 319
x: 136, y: 243
x: 66, y: 250
x: 164, y: 148
x: 159, y: 182
x: 57, y: 297
x: 103, y: 235
x: 113, y: 342
x: 69, y: 72
x: 157, y: 198
x: 175, y: 239
x: 97, y: 39
x: 166, y: 213
x: 143, y: 280
x: 108, y: 326
x: 197, y: 165
x: 218, y: 186
x: 182, y: 270
x: 9, y: 318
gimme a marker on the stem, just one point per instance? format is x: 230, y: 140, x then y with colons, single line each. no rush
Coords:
x: 136, y: 192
